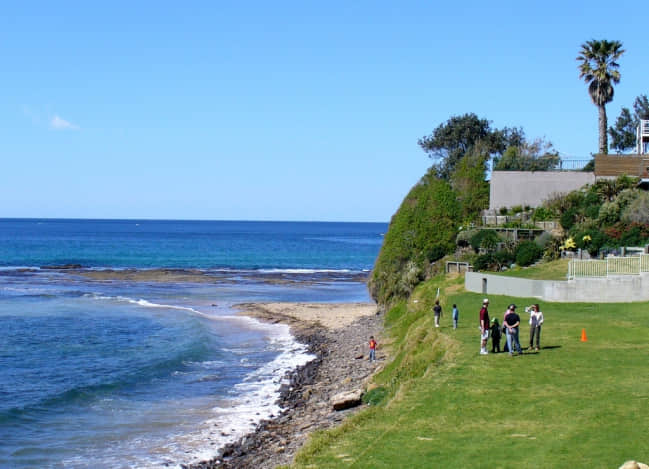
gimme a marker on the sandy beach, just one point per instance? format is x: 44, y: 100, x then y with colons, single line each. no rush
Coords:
x: 328, y: 315
x: 337, y: 334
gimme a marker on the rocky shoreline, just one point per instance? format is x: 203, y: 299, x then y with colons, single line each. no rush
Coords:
x: 341, y: 365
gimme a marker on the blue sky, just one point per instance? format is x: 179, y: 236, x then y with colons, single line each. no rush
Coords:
x: 280, y: 110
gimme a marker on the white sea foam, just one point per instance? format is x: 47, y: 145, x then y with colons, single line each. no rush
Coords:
x: 256, y: 401
x: 146, y: 303
x: 303, y: 271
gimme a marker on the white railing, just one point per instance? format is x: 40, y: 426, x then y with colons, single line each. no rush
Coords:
x: 623, y: 265
x: 632, y: 265
x: 587, y: 268
x: 644, y: 262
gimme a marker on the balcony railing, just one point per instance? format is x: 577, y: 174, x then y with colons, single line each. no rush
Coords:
x: 644, y: 128
x: 572, y: 164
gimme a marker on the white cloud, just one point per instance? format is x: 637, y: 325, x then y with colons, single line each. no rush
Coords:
x: 58, y: 123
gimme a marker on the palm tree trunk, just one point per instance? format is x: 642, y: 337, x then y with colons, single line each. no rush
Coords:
x: 603, y: 124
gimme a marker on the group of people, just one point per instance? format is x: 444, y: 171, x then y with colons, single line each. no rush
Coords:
x: 510, y: 327
x: 437, y: 310
x: 491, y: 329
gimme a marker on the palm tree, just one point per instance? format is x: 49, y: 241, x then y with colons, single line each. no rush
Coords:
x: 599, y: 68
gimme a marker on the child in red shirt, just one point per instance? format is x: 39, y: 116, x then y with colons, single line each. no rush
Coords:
x: 373, y: 345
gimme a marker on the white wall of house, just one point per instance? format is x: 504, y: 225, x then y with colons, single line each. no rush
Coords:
x: 510, y: 188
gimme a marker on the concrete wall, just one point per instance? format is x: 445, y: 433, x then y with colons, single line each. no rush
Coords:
x: 509, y: 188
x: 613, y: 289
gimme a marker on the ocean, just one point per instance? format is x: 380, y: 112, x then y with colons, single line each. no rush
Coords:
x: 120, y: 345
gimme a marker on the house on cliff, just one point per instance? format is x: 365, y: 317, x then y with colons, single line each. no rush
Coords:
x: 510, y: 188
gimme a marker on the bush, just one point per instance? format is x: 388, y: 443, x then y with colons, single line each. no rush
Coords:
x: 567, y: 218
x: 543, y: 214
x: 527, y: 253
x: 552, y: 250
x: 591, y: 240
x: 637, y: 210
x: 634, y: 234
x: 483, y: 262
x: 485, y: 239
x: 609, y: 213
x: 503, y: 210
x: 591, y: 205
x: 411, y: 275
x: 503, y: 258
x: 543, y: 239
x: 463, y: 238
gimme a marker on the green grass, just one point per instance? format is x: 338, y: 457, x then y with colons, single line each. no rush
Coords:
x: 574, y: 404
x: 555, y: 270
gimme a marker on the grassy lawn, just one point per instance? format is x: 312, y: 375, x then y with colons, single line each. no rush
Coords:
x: 573, y: 404
x: 555, y: 270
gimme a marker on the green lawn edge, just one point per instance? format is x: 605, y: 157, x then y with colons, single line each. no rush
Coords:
x: 573, y: 404
x: 553, y: 270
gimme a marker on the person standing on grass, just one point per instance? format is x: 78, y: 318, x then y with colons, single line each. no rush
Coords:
x: 373, y: 345
x: 504, y: 331
x: 495, y: 336
x: 536, y: 320
x: 484, y: 327
x: 437, y: 309
x: 512, y: 321
x: 456, y: 316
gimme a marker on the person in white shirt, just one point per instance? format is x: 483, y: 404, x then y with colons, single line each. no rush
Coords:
x: 536, y: 320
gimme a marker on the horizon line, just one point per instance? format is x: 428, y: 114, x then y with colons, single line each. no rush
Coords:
x: 187, y: 219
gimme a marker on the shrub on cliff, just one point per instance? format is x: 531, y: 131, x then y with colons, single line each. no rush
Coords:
x: 485, y: 239
x: 422, y: 231
x: 528, y: 252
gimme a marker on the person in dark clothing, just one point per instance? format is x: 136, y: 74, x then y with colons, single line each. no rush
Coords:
x: 512, y: 321
x: 495, y: 336
x: 437, y: 309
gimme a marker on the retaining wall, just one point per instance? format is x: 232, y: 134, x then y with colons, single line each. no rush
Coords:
x: 613, y: 289
x: 510, y: 188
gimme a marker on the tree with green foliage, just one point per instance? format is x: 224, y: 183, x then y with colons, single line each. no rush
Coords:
x: 451, y: 141
x: 623, y: 134
x: 468, y: 182
x: 598, y: 67
x: 538, y: 155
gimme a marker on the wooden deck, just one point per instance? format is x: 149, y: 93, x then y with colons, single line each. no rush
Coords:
x: 617, y: 165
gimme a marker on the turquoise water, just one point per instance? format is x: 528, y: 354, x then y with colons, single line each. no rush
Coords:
x: 116, y: 373
x: 189, y: 244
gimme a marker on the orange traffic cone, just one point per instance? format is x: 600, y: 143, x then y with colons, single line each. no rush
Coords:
x: 583, y: 336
